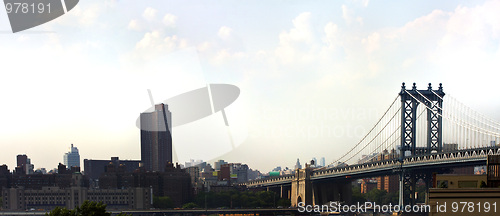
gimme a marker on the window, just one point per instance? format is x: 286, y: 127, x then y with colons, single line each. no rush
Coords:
x: 442, y: 184
x: 467, y: 184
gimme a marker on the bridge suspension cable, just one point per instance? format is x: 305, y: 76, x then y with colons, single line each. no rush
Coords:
x: 450, y: 116
x: 367, y: 144
x: 492, y: 123
x: 375, y: 133
x: 470, y: 128
x: 467, y: 124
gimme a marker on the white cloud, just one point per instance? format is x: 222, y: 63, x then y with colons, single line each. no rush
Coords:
x: 169, y: 20
x: 224, y: 32
x: 86, y: 15
x: 332, y: 36
x: 301, y: 71
x: 204, y: 46
x: 364, y: 3
x: 155, y: 43
x: 90, y: 15
x: 349, y: 16
x: 301, y: 30
x: 156, y: 40
x: 372, y: 42
x: 469, y: 45
x: 149, y: 13
x: 300, y: 34
x: 134, y: 25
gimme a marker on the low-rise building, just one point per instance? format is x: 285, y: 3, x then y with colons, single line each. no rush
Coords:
x: 48, y: 198
x: 173, y: 182
x: 467, y: 194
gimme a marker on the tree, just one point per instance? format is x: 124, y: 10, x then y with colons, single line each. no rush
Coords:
x: 92, y: 208
x: 240, y: 199
x: 190, y: 205
x: 376, y: 195
x: 87, y: 208
x: 162, y: 202
x: 284, y: 202
x: 58, y: 211
x: 357, y: 197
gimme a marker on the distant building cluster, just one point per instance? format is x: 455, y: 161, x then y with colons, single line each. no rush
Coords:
x: 221, y: 176
x: 121, y: 184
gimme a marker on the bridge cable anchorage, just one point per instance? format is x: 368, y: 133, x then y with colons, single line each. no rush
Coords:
x: 478, y: 113
x: 352, y: 149
x: 448, y: 117
x: 466, y: 126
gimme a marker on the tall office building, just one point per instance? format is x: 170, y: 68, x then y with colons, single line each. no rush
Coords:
x: 22, y: 160
x: 72, y: 158
x: 24, y: 165
x: 322, y: 161
x: 156, y: 138
x: 218, y: 164
x: 297, y: 165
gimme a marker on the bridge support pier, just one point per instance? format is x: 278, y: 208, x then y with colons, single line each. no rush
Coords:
x: 320, y: 192
x: 407, y: 183
x: 285, y: 191
x: 407, y: 187
x: 301, y: 187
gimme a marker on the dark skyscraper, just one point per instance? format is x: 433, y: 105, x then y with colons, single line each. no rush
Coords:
x: 22, y: 161
x: 156, y: 138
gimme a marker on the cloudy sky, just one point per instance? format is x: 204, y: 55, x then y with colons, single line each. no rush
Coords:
x: 314, y: 75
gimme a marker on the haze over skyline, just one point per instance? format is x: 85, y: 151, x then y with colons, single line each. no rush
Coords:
x: 302, y: 68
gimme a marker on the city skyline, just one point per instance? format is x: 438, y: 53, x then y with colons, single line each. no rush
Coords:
x: 301, y: 67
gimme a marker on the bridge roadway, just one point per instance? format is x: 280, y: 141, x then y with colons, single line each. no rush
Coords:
x: 264, y: 211
x: 459, y: 158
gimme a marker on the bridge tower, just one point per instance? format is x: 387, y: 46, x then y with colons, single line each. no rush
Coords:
x: 410, y: 99
x: 302, y: 190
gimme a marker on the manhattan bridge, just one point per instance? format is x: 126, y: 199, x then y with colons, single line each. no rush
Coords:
x: 423, y: 132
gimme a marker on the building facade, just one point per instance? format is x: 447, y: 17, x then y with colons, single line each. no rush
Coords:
x: 156, y: 138
x: 67, y: 189
x: 72, y: 158
x: 466, y: 194
x: 173, y: 182
x: 48, y: 198
x: 94, y: 168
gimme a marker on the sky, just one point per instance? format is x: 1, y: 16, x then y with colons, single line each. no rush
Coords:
x: 314, y: 76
